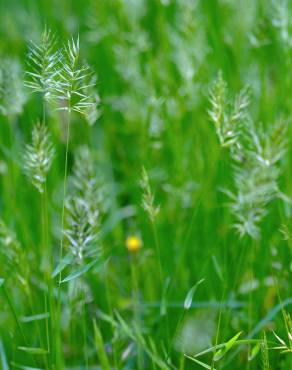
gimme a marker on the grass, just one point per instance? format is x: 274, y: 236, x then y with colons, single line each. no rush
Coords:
x: 145, y: 184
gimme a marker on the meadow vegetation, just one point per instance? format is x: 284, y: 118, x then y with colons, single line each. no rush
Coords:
x: 145, y: 184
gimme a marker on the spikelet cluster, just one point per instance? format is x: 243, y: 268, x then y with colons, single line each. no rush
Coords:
x: 148, y: 197
x: 281, y: 20
x: 257, y: 171
x: 61, y: 77
x: 256, y: 154
x: 9, y: 245
x: 83, y: 207
x: 38, y: 157
x: 12, y: 257
x: 12, y: 96
x: 76, y: 81
x: 43, y: 61
x: 227, y: 115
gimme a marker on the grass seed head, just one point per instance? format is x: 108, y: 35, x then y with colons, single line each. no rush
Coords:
x: 12, y: 95
x: 43, y: 66
x: 148, y: 197
x: 83, y: 206
x: 38, y: 156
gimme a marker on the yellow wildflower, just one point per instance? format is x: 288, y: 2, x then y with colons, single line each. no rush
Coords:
x: 133, y: 243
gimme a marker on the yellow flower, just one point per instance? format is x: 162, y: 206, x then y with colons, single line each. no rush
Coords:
x: 133, y: 243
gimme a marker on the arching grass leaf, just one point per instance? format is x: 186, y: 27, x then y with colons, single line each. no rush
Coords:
x: 33, y: 350
x: 82, y: 270
x: 189, y: 298
x: 205, y: 366
x: 227, y: 347
x: 62, y: 264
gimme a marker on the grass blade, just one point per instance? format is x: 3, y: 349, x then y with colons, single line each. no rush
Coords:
x: 189, y: 298
x: 81, y: 271
x: 33, y: 350
x: 4, y: 363
x: 227, y: 347
x: 205, y: 366
x: 100, y: 347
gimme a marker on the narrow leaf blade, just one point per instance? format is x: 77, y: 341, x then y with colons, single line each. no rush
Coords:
x: 227, y: 347
x: 189, y: 298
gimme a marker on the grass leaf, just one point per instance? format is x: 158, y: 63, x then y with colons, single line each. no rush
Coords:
x: 227, y: 347
x: 189, y: 298
x: 81, y: 270
x: 205, y: 366
x: 62, y: 264
x: 254, y: 351
x: 33, y: 350
x: 4, y: 363
x: 100, y: 347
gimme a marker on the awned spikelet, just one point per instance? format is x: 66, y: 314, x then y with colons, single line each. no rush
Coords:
x: 148, y: 197
x: 227, y: 115
x: 256, y: 173
x: 256, y: 153
x: 76, y: 82
x: 83, y: 207
x: 61, y: 77
x: 43, y: 64
x: 38, y: 157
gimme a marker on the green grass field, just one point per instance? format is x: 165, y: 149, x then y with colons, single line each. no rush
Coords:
x: 145, y: 184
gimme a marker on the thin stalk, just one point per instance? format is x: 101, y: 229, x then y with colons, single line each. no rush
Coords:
x: 182, y: 362
x: 58, y: 341
x: 135, y: 295
x: 11, y: 164
x: 218, y: 327
x: 240, y: 262
x: 48, y: 262
x: 84, y: 329
x: 178, y: 326
x: 250, y: 301
x: 48, y: 343
x: 158, y: 254
x: 14, y: 315
x: 64, y: 192
x: 110, y: 307
x: 47, y: 256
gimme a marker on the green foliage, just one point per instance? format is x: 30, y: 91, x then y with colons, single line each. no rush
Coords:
x: 197, y: 93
